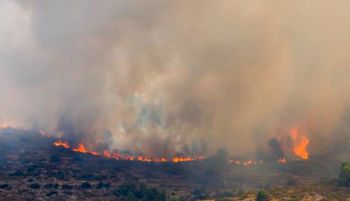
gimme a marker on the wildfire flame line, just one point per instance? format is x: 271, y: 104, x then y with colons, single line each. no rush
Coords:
x: 118, y: 156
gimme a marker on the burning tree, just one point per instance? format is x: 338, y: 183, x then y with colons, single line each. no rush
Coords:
x: 344, y: 176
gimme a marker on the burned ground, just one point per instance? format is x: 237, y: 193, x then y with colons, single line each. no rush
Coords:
x: 32, y: 169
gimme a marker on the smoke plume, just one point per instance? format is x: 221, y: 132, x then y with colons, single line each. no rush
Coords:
x: 162, y: 77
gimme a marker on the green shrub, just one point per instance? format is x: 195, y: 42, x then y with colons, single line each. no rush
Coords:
x: 344, y: 176
x: 134, y: 191
x: 262, y: 196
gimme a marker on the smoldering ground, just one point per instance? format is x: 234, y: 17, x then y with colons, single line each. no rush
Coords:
x: 158, y: 76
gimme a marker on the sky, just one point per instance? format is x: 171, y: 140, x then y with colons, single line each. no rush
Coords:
x: 162, y: 77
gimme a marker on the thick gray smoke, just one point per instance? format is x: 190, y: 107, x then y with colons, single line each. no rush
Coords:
x: 164, y: 76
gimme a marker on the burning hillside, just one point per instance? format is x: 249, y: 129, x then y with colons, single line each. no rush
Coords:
x: 191, y: 97
x: 36, y: 165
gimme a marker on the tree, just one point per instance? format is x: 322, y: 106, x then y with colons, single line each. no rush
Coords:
x: 344, y: 176
x: 262, y: 196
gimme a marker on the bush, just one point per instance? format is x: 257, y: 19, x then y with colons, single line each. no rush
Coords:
x: 85, y: 185
x: 262, y: 196
x: 5, y: 186
x: 344, y: 176
x: 51, y: 193
x: 67, y: 187
x: 133, y: 191
x: 101, y: 185
x: 34, y: 186
x: 51, y: 186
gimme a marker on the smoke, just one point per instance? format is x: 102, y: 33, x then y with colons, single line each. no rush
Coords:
x: 166, y: 76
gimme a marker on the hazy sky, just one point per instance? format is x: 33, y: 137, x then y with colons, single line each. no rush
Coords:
x: 158, y: 75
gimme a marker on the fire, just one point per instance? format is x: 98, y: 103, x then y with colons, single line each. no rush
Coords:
x: 300, y: 144
x: 185, y: 159
x: 107, y: 154
x: 60, y: 143
x: 118, y: 156
x: 81, y: 148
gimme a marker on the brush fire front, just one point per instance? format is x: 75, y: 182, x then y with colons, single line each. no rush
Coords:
x: 296, y: 144
x: 81, y: 148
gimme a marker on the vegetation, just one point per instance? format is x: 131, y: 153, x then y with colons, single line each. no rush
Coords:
x: 199, y: 194
x: 221, y: 156
x: 135, y: 191
x: 344, y: 176
x: 262, y: 196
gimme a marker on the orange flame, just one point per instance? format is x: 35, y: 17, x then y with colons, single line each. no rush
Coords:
x: 60, y: 143
x: 300, y: 144
x: 118, y: 156
x: 81, y: 148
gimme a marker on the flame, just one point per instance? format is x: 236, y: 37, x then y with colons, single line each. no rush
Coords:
x: 60, y: 143
x: 182, y: 159
x: 81, y: 148
x: 118, y: 156
x: 300, y: 144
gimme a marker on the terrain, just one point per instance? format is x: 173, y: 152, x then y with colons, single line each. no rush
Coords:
x: 31, y: 168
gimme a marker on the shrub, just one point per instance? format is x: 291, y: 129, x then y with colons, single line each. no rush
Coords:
x: 85, y: 185
x: 134, y: 191
x: 67, y: 187
x: 34, y: 186
x: 101, y: 185
x: 262, y: 196
x: 5, y: 186
x: 344, y: 176
x: 49, y: 186
x: 51, y: 193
